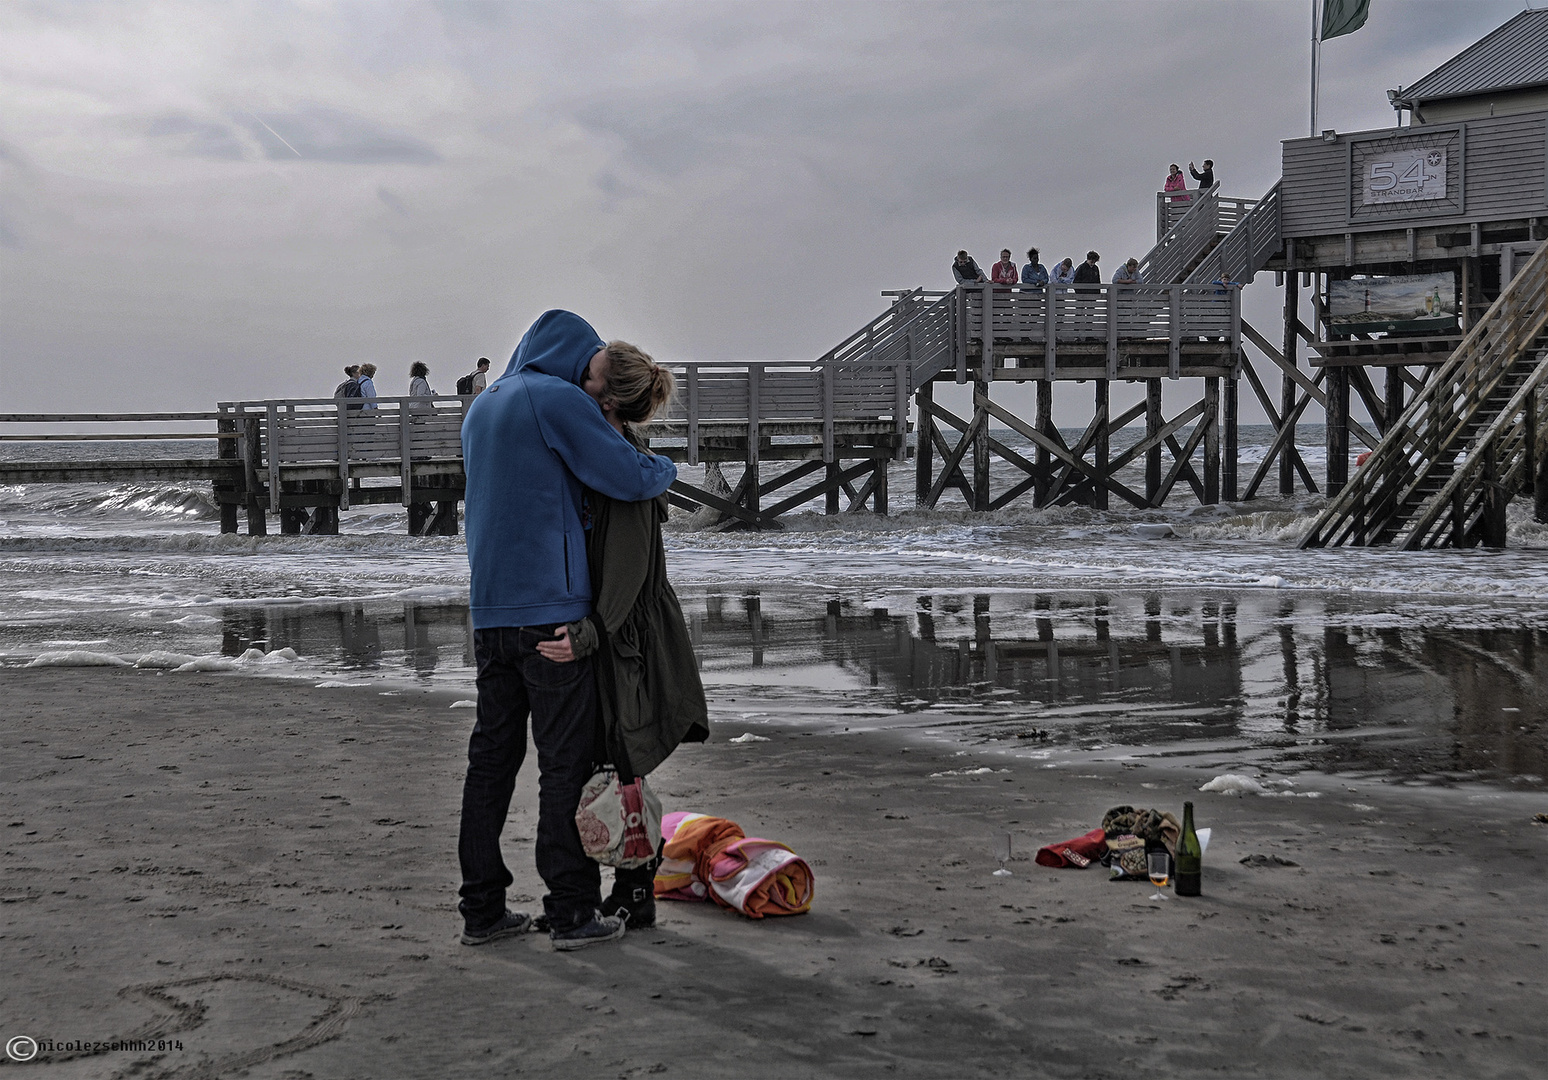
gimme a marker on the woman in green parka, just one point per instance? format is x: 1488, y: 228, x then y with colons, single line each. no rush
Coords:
x: 647, y: 675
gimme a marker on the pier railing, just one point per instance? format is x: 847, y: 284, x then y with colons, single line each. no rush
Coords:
x: 1171, y: 206
x: 805, y: 400
x: 1253, y: 239
x: 1119, y: 316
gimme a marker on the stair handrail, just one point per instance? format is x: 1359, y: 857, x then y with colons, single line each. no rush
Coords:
x: 1248, y: 247
x: 1501, y: 334
x: 1167, y: 262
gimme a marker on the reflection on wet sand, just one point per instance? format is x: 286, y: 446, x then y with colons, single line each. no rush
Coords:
x: 1342, y: 686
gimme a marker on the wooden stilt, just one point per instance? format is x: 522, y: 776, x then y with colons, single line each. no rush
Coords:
x: 879, y: 491
x: 226, y: 448
x: 1492, y: 523
x: 1101, y: 447
x: 1228, y: 473
x: 1211, y: 421
x: 1540, y: 472
x: 1153, y: 425
x: 1287, y: 385
x: 981, y: 447
x: 830, y: 501
x: 1044, y: 423
x: 924, y: 444
x: 257, y: 520
x: 1337, y: 429
x: 1394, y: 397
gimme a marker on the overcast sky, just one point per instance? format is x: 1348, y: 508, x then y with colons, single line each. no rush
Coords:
x: 219, y: 200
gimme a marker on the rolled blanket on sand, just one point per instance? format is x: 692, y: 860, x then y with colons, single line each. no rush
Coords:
x: 711, y: 858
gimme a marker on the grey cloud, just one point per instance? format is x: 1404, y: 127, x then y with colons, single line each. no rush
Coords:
x: 392, y: 202
x: 318, y: 133
x: 200, y: 138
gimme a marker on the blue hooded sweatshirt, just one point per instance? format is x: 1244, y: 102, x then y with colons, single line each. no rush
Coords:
x: 532, y: 441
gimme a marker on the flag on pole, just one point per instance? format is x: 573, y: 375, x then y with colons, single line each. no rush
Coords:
x: 1340, y: 17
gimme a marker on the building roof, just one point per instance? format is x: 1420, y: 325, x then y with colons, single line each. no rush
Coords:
x: 1510, y: 57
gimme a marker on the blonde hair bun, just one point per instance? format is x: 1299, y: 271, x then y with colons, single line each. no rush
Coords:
x: 638, y: 386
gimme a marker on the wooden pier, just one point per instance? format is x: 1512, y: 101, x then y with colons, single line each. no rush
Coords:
x: 1453, y: 415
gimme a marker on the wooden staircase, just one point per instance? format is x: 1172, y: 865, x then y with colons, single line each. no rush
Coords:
x: 1470, y: 440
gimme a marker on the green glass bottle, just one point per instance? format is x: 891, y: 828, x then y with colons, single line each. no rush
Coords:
x: 1189, y: 857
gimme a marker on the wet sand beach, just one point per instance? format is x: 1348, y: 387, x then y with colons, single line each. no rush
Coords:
x: 266, y: 871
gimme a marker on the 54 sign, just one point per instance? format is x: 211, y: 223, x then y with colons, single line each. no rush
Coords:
x: 1407, y: 175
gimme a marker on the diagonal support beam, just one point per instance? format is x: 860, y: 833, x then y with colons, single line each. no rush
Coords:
x: 1273, y: 414
x: 1252, y: 335
x: 1058, y: 450
x: 954, y: 462
x: 1181, y: 465
x: 1285, y: 434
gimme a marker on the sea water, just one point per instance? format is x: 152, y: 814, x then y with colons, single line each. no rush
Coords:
x: 1041, y: 634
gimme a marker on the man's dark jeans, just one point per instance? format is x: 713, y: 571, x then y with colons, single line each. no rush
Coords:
x: 513, y: 681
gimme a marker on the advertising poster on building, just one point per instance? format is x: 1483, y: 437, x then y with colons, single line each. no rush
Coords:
x: 1420, y: 304
x: 1412, y: 174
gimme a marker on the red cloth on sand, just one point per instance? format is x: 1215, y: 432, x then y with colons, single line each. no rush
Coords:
x: 1083, y: 848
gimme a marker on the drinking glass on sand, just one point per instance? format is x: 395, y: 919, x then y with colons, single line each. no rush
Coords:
x: 1000, y: 844
x: 1159, y: 863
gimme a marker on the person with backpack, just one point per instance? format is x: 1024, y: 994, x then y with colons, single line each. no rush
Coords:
x: 474, y: 381
x: 350, y: 387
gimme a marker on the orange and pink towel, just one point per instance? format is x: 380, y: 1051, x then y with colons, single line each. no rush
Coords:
x: 710, y: 858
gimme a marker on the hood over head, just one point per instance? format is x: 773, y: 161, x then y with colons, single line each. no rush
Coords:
x: 560, y: 343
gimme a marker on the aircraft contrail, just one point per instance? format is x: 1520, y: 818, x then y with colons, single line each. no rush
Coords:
x: 276, y: 134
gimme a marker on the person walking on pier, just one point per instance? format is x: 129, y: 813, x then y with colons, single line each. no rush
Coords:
x: 368, y: 385
x: 1004, y: 272
x: 1206, y: 178
x: 350, y: 387
x: 1034, y: 274
x: 531, y: 444
x: 476, y: 380
x: 965, y: 268
x: 419, y: 380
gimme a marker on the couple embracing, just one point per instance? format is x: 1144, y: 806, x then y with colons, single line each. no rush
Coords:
x: 564, y: 511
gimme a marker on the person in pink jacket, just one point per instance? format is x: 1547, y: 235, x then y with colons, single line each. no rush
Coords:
x: 1177, y: 182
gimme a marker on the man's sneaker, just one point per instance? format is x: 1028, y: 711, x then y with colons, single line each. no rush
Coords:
x: 639, y: 904
x: 507, y: 925
x: 601, y: 928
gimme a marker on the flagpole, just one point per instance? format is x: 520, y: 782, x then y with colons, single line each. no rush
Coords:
x: 1316, y: 49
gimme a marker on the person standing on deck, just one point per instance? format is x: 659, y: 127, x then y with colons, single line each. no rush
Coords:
x: 1176, y: 185
x: 481, y: 376
x: 1034, y: 274
x: 368, y: 385
x: 1063, y: 273
x: 1128, y: 273
x: 531, y: 444
x: 1004, y: 272
x: 1088, y: 278
x: 965, y: 269
x: 1206, y: 178
x: 1088, y: 272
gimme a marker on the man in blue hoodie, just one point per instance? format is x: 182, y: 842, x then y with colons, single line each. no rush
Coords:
x: 531, y: 444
